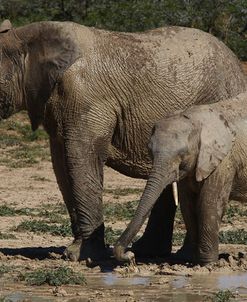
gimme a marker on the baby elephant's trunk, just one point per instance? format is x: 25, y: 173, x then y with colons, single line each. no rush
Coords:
x: 156, y: 183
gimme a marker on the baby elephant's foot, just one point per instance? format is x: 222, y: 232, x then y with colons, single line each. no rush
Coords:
x: 121, y: 255
x: 73, y: 251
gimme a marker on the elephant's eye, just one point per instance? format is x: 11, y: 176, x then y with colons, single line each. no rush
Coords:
x: 183, y: 151
x: 8, y: 77
x: 183, y: 166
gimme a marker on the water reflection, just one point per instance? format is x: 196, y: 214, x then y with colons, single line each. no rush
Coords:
x: 112, y: 279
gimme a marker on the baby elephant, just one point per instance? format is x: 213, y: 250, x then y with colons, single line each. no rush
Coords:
x: 204, y: 151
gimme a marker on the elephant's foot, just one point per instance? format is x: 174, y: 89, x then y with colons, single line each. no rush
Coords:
x: 73, y: 251
x: 204, y: 260
x: 150, y: 248
x: 84, y: 250
x: 189, y: 253
x: 91, y: 249
x: 121, y: 255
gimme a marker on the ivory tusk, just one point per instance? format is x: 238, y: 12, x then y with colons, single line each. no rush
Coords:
x: 175, y: 192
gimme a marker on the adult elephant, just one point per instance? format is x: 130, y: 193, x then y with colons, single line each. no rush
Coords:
x: 98, y: 94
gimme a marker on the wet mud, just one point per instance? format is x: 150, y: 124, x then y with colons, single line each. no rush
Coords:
x: 109, y: 281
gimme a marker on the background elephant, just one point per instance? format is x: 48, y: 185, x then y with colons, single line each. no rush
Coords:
x: 205, y: 149
x: 98, y: 94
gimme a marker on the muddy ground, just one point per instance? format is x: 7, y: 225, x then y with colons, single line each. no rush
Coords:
x: 34, y: 231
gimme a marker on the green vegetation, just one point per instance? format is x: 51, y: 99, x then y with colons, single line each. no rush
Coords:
x: 54, y: 214
x: 54, y: 277
x: 59, y: 208
x: 11, y: 211
x: 123, y: 191
x: 223, y: 296
x: 4, y: 269
x: 39, y: 178
x: 178, y: 217
x: 232, y: 212
x: 21, y: 146
x: 233, y: 237
x: 7, y: 211
x: 41, y: 226
x: 226, y: 19
x: 19, y: 131
x: 25, y: 155
x: 123, y: 211
x: 178, y: 238
x: 6, y: 236
x: 54, y: 220
x: 112, y: 235
x: 52, y: 217
x: 226, y: 237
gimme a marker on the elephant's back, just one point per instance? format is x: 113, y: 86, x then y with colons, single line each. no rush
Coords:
x: 185, y: 59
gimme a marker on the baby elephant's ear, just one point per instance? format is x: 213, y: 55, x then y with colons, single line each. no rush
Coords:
x: 5, y: 26
x: 215, y: 143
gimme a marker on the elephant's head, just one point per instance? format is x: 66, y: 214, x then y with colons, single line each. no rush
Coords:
x: 192, y: 143
x: 33, y: 59
x: 12, y: 54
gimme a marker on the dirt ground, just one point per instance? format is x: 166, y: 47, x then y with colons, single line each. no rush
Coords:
x: 29, y: 193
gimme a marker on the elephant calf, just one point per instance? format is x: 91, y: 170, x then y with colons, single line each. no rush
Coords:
x: 204, y: 150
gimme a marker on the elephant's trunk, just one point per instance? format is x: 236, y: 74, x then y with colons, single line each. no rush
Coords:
x: 157, y: 182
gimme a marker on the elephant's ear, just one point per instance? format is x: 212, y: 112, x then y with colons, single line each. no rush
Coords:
x: 5, y: 26
x: 216, y: 142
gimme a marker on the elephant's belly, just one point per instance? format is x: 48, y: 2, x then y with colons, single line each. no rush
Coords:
x: 128, y: 165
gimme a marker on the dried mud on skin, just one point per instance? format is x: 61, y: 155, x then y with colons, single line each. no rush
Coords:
x: 34, y: 187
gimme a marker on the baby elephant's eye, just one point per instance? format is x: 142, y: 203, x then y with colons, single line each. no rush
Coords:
x: 183, y: 166
x: 183, y: 151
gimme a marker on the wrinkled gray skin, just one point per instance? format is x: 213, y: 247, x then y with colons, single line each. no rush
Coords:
x: 98, y: 94
x: 205, y: 149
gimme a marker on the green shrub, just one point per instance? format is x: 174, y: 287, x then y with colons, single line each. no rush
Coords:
x: 223, y: 296
x: 123, y: 211
x: 233, y: 237
x: 53, y: 277
x: 6, y: 236
x: 5, y: 269
x: 11, y: 211
x: 112, y: 235
x: 40, y: 226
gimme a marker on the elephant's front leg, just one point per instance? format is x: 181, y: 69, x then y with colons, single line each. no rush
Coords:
x: 157, y: 238
x: 213, y: 197
x: 59, y: 166
x: 85, y: 155
x: 188, y: 203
